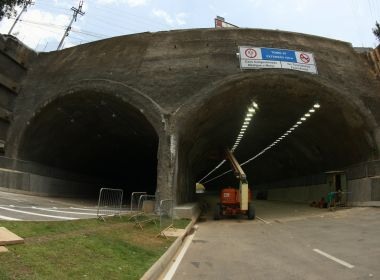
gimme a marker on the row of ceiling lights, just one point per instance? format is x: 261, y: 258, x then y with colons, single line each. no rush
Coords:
x: 248, y: 117
x: 305, y: 117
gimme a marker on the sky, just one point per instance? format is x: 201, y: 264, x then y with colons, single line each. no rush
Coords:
x: 43, y: 25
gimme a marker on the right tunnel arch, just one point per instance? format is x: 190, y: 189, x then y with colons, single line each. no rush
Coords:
x: 341, y: 133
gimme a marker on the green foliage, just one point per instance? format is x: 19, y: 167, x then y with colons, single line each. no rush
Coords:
x: 7, y: 7
x: 376, y: 30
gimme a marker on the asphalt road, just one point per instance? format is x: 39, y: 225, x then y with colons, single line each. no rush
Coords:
x: 290, y: 241
x: 19, y: 207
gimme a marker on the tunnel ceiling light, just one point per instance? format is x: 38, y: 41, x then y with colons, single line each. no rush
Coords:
x: 289, y: 131
x: 248, y: 116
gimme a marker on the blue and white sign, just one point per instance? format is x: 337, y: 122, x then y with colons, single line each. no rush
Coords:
x: 258, y: 58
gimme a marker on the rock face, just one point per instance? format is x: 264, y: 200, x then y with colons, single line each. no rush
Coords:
x: 151, y: 111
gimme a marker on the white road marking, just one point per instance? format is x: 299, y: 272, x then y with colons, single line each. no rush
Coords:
x: 36, y: 214
x: 261, y: 219
x: 87, y: 209
x: 61, y: 211
x: 8, y: 218
x: 169, y: 275
x: 346, y: 264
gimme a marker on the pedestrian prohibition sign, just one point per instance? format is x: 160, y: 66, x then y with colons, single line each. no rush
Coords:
x: 251, y: 53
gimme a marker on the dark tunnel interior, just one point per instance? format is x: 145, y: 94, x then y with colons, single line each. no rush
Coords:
x: 333, y: 137
x: 97, y: 135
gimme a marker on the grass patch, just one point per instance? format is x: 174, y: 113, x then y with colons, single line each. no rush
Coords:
x: 83, y: 249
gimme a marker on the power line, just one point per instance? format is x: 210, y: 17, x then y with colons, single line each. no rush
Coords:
x: 74, y: 18
x: 62, y: 27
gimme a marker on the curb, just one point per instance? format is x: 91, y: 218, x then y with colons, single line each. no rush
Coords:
x: 161, y: 264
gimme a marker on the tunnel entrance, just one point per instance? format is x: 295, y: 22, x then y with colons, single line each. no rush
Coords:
x: 96, y: 135
x: 336, y: 136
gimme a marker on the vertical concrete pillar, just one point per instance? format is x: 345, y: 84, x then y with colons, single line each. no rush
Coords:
x: 167, y: 162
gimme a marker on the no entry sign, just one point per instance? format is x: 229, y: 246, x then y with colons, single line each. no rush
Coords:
x: 258, y: 58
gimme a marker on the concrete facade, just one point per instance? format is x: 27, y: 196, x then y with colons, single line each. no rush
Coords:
x: 164, y: 103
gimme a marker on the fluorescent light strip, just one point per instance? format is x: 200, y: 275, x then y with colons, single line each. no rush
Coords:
x: 248, y: 117
x: 289, y: 131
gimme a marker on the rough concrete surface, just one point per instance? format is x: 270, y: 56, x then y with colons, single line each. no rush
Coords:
x: 151, y: 111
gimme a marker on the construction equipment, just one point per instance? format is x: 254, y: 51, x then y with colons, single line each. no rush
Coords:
x: 235, y: 201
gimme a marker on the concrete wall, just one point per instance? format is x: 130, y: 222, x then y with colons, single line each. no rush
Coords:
x: 14, y: 62
x: 299, y: 194
x: 364, y: 190
x: 22, y: 182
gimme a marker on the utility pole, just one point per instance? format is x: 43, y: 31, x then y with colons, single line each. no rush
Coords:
x: 24, y: 8
x: 74, y: 18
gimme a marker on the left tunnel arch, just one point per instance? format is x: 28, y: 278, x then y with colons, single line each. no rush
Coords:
x: 96, y: 134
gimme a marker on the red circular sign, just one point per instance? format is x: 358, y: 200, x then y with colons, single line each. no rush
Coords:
x: 305, y: 58
x: 251, y: 53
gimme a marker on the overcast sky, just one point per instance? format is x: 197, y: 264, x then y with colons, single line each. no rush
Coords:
x: 43, y: 25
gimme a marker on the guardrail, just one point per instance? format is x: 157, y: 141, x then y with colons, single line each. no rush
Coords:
x: 109, y: 203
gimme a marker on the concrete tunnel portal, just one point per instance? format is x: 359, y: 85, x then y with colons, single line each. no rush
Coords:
x: 96, y: 135
x: 153, y: 112
x: 100, y: 135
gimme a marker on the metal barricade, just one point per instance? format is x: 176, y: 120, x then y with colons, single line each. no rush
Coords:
x: 166, y: 214
x: 110, y: 202
x: 135, y: 197
x: 143, y: 198
x: 147, y: 212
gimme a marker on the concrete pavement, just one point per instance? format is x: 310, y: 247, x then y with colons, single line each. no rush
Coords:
x: 291, y: 241
x: 20, y: 207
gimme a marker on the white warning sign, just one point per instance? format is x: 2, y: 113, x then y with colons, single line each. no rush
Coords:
x: 258, y: 58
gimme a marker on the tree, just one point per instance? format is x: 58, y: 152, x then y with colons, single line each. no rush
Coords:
x: 376, y: 30
x: 7, y: 7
